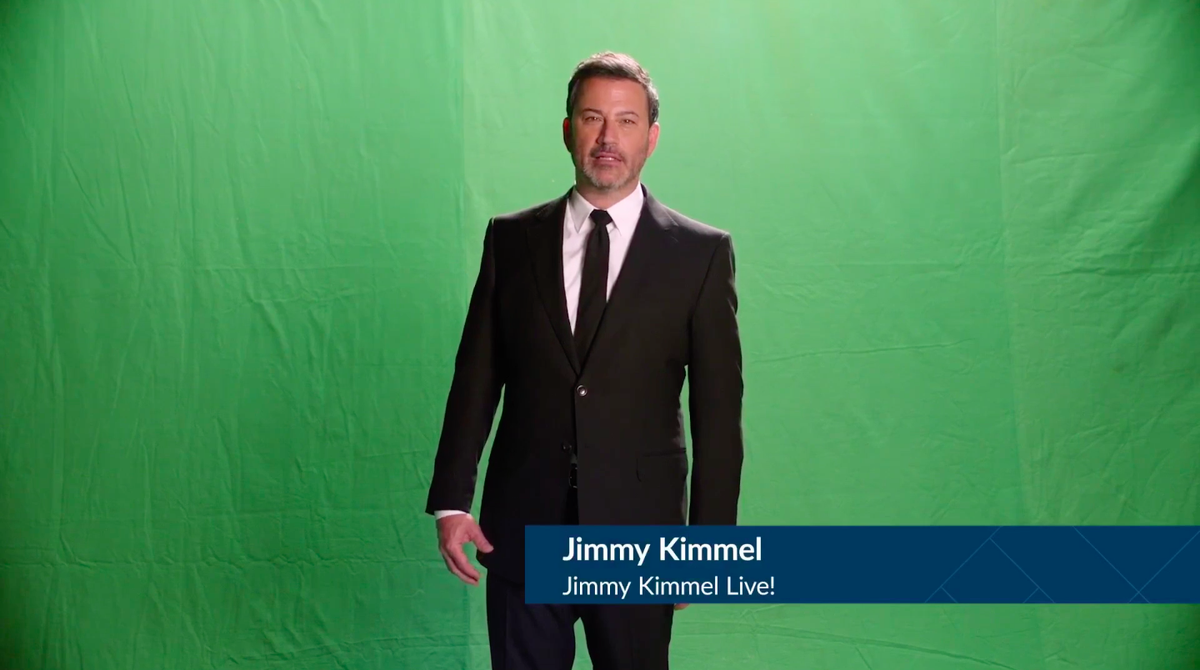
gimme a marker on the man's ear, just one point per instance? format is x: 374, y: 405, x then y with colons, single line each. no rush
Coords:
x: 566, y: 130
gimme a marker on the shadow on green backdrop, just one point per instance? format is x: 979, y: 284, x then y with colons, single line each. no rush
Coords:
x: 238, y: 242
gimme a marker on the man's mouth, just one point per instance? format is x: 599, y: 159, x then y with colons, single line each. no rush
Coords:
x: 607, y: 158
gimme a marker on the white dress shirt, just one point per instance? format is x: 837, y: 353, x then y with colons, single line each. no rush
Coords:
x: 577, y: 225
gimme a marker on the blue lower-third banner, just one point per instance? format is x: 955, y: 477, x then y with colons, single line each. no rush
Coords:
x: 862, y: 564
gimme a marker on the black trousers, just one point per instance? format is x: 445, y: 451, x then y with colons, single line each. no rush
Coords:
x: 542, y: 637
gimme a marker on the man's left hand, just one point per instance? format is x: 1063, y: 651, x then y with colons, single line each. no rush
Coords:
x: 679, y: 606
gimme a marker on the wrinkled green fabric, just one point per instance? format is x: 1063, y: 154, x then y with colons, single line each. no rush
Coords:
x: 239, y: 238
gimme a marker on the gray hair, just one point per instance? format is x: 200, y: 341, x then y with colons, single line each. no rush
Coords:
x: 616, y: 66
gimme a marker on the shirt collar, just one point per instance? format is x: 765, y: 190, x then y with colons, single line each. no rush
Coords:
x: 625, y: 214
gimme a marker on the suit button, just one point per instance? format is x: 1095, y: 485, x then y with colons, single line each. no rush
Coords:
x: 566, y: 447
x: 581, y: 390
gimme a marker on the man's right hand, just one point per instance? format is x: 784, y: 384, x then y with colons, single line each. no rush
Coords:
x: 453, y: 532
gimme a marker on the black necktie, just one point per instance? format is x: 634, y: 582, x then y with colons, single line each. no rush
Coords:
x: 593, y: 288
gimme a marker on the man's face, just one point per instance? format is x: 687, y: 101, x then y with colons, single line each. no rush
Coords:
x: 610, y: 135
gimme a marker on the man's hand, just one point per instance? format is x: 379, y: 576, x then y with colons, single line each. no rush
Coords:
x: 453, y: 532
x: 679, y: 606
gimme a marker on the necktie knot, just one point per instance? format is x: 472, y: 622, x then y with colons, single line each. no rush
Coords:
x: 601, y: 217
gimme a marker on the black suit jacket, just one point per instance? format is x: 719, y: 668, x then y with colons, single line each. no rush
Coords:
x: 672, y: 310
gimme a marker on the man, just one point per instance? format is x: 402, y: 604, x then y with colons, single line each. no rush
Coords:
x: 587, y: 312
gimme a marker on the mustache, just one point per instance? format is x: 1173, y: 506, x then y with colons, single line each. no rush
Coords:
x: 607, y: 150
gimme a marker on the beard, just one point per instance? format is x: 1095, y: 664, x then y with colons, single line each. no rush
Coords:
x: 609, y: 177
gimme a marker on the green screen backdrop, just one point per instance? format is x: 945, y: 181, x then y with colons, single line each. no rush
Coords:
x: 237, y: 241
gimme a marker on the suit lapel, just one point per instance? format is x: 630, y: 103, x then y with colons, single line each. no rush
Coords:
x: 545, y: 236
x: 652, y: 239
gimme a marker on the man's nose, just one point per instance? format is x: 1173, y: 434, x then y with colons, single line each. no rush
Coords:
x: 608, y: 131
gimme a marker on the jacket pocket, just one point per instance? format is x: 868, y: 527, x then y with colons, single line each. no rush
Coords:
x: 663, y: 466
